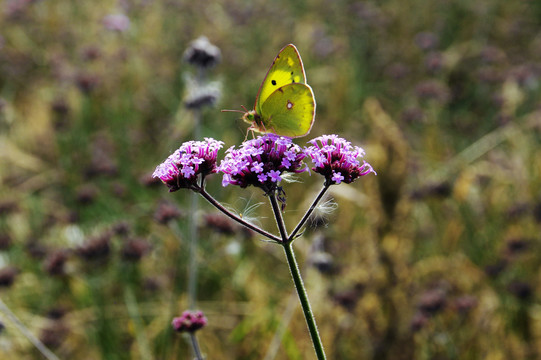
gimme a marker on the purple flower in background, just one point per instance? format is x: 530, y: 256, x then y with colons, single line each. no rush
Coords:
x: 116, y: 22
x: 261, y: 162
x: 336, y: 159
x: 426, y: 40
x: 189, y: 321
x: 181, y: 169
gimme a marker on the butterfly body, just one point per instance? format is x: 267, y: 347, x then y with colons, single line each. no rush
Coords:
x: 285, y: 104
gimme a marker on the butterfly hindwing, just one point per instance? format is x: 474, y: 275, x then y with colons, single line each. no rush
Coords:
x: 289, y: 110
x: 286, y: 69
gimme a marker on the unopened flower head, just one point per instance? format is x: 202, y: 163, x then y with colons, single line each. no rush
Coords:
x: 261, y: 162
x: 182, y: 168
x: 202, y: 53
x: 337, y: 160
x: 189, y: 321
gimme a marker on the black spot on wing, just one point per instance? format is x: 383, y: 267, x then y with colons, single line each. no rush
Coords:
x: 273, y: 82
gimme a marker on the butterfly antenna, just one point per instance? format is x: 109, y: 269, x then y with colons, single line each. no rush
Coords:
x: 239, y: 111
x: 244, y: 107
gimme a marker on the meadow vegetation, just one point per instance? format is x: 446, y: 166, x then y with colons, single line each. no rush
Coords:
x: 436, y: 257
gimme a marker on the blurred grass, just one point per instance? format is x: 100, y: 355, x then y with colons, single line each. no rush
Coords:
x: 435, y: 258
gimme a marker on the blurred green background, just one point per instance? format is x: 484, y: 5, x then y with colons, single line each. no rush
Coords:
x: 437, y: 257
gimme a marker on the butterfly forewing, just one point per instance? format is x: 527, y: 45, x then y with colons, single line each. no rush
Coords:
x: 286, y: 69
x: 289, y: 111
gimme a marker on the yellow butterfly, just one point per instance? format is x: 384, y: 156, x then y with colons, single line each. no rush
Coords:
x: 285, y: 104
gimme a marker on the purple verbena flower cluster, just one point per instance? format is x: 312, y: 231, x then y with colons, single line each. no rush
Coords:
x: 261, y: 162
x: 189, y: 321
x: 182, y: 168
x: 336, y: 159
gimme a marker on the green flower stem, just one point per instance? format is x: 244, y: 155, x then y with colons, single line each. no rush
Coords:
x: 192, y: 267
x: 286, y: 241
x: 194, y: 231
x: 48, y: 354
x: 195, y: 347
x: 303, y: 297
x: 309, y: 212
x: 296, y: 274
x: 217, y: 205
x: 135, y: 317
x: 278, y: 216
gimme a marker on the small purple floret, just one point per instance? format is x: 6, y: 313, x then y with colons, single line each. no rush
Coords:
x: 275, y: 176
x: 182, y: 168
x: 337, y: 177
x: 337, y: 160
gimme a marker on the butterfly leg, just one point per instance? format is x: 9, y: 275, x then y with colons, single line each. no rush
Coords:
x: 265, y: 130
x: 250, y: 129
x: 269, y: 130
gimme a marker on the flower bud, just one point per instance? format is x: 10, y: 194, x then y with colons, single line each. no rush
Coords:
x: 189, y: 321
x: 202, y: 53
